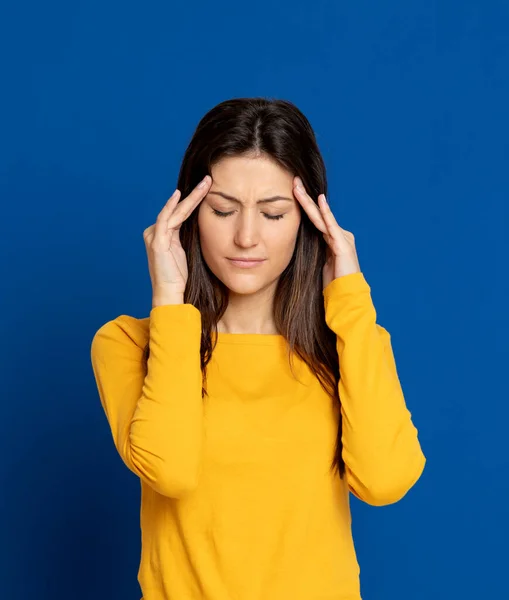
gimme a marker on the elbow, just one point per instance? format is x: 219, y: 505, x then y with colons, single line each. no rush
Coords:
x: 399, y: 484
x: 172, y: 470
x: 173, y: 479
x: 383, y: 495
x: 175, y: 485
x: 390, y: 485
x: 177, y: 479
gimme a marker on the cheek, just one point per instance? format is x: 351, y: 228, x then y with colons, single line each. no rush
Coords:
x: 210, y: 240
x: 283, y: 238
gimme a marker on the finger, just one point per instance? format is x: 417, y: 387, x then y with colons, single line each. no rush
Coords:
x: 167, y: 209
x: 327, y: 214
x: 174, y: 213
x: 148, y: 235
x: 148, y: 231
x: 311, y: 209
x: 161, y: 224
x: 186, y: 206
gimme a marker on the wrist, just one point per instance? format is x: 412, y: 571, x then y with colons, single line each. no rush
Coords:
x: 162, y: 300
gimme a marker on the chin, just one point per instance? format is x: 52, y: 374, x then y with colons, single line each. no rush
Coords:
x: 244, y: 286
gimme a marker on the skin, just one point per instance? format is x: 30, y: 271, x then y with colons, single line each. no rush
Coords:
x: 248, y: 232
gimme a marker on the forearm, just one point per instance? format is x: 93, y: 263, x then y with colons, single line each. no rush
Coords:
x: 380, y: 443
x: 166, y: 431
x: 381, y: 450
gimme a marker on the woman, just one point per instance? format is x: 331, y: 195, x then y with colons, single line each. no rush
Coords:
x: 256, y: 395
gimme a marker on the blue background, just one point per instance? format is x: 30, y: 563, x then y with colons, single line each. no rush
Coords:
x: 409, y: 104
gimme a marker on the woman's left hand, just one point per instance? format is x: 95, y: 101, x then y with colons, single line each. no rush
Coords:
x: 341, y: 257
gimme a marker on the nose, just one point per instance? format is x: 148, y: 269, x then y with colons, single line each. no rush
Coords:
x: 247, y: 229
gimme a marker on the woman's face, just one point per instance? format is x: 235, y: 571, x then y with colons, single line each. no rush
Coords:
x: 250, y: 229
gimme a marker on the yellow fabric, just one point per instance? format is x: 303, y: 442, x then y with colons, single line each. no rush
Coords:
x: 237, y: 498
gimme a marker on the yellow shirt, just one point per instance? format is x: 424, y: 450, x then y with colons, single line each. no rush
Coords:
x: 238, y: 501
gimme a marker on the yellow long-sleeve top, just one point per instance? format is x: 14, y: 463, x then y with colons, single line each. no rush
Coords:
x: 238, y: 501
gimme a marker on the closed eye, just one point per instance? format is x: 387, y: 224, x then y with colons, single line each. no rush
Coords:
x: 227, y: 214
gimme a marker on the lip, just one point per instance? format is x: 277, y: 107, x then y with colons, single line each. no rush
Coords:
x: 246, y: 264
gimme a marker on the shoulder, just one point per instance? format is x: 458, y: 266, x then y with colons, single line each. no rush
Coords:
x: 122, y: 332
x: 386, y: 336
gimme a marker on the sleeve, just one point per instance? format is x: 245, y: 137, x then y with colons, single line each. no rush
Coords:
x: 381, y: 450
x: 155, y: 415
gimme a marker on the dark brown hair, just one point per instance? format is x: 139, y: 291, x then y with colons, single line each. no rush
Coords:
x: 277, y: 129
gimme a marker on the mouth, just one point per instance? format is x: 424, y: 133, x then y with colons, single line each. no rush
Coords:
x: 246, y: 263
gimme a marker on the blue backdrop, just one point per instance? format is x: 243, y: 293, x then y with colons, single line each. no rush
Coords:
x: 409, y: 104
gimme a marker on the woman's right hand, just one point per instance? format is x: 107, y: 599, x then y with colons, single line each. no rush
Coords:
x: 167, y: 261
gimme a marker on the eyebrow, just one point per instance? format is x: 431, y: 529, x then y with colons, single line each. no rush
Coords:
x: 262, y: 201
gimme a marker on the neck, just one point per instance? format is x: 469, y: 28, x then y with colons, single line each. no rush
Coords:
x: 249, y: 313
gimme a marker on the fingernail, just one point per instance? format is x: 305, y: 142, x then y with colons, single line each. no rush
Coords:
x: 203, y: 183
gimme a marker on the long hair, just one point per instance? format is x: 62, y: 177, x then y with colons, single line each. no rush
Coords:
x: 254, y: 127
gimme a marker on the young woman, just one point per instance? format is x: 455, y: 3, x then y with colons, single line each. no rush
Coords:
x: 260, y: 391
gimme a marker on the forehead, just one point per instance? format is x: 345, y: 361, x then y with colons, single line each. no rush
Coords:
x: 242, y: 174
